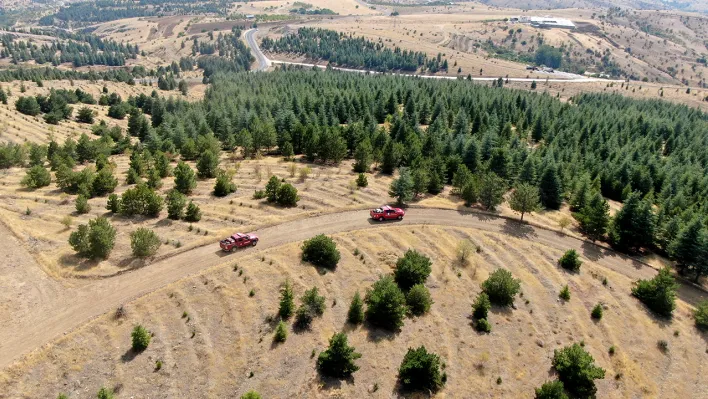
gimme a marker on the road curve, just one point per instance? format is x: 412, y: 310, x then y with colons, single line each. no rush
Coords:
x: 263, y: 62
x: 102, y: 296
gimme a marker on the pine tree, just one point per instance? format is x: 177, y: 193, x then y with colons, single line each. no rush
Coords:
x: 207, y: 165
x: 524, y: 199
x: 402, y: 188
x: 633, y: 225
x: 184, y: 178
x: 550, y: 188
x: 689, y: 247
x: 355, y: 315
x: 363, y: 156
x: 491, y: 191
x: 176, y: 202
x: 287, y: 303
x: 271, y: 189
x: 594, y: 216
x: 338, y: 359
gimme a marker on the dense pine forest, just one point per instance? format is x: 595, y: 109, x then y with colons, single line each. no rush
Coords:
x: 347, y: 51
x: 77, y: 48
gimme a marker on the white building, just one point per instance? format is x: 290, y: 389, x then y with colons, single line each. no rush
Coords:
x: 545, y: 22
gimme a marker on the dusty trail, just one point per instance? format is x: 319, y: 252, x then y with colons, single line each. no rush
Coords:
x: 96, y: 298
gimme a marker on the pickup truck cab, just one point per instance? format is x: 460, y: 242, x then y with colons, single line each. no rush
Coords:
x: 387, y: 213
x: 238, y: 240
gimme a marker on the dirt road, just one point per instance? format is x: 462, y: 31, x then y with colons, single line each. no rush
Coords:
x: 98, y: 297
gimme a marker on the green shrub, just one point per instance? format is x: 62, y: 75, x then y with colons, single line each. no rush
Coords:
x: 420, y: 371
x: 281, y: 332
x: 95, y: 240
x: 105, y: 393
x: 36, y: 177
x: 551, y: 390
x: 313, y: 305
x: 418, y: 300
x: 576, y: 370
x: 176, y: 202
x: 287, y: 303
x: 141, y: 338
x: 659, y: 293
x: 362, y: 181
x: 251, y: 395
x: 321, y: 251
x: 483, y: 325
x: 144, y: 242
x: 570, y: 261
x: 355, y: 315
x: 82, y: 205
x: 287, y: 195
x: 271, y: 189
x: 596, y: 312
x: 481, y: 306
x: 385, y: 304
x: 501, y: 287
x: 338, y: 359
x: 193, y: 213
x: 184, y: 178
x: 259, y: 194
x: 113, y: 204
x: 224, y: 184
x: 701, y: 315
x: 564, y: 293
x: 61, y: 395
x: 140, y: 200
x: 413, y: 268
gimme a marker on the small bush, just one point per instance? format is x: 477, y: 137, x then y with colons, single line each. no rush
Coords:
x: 612, y: 350
x: 659, y: 293
x: 700, y: 315
x: 483, y: 325
x: 82, y: 205
x: 501, y: 287
x: 481, y: 306
x: 113, y: 204
x: 576, y: 369
x: 259, y: 194
x: 224, y: 184
x: 362, y: 181
x: 281, y: 332
x: 141, y: 338
x: 251, y: 395
x: 355, y: 315
x: 565, y: 293
x: 338, y: 359
x: 158, y: 365
x: 663, y: 345
x: 176, y: 202
x: 596, y: 312
x: 321, y: 251
x: 551, y: 390
x: 420, y: 371
x: 193, y: 213
x: 95, y: 240
x: 105, y: 393
x: 418, y: 300
x: 413, y: 268
x: 385, y: 304
x: 570, y: 261
x: 287, y: 303
x: 144, y: 242
x: 313, y: 305
x: 36, y: 177
x: 287, y: 195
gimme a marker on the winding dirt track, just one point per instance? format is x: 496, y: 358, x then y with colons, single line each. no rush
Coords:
x: 98, y: 297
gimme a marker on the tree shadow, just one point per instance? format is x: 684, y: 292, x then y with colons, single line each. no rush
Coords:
x: 518, y: 229
x: 661, y: 321
x: 377, y: 334
x: 501, y: 310
x: 329, y: 383
x: 348, y: 327
x: 77, y: 263
x: 592, y: 251
x: 129, y: 355
x: 132, y: 263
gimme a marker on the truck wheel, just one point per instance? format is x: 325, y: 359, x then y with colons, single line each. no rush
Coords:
x: 254, y: 243
x: 400, y: 217
x: 381, y: 219
x: 232, y: 249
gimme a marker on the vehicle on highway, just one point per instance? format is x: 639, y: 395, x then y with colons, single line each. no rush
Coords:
x: 387, y: 212
x: 238, y: 240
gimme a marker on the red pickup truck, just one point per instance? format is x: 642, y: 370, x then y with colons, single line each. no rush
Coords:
x: 238, y: 240
x: 387, y: 213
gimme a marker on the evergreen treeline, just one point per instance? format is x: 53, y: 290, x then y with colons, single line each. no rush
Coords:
x: 348, y: 51
x: 47, y: 73
x: 234, y: 55
x: 79, y: 49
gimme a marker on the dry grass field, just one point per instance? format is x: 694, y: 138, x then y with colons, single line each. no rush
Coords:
x: 215, y: 340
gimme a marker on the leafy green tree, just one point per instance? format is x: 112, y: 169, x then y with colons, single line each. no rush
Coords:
x: 321, y: 251
x: 184, y: 178
x: 491, y: 191
x: 287, y: 195
x: 338, y: 359
x: 95, y: 240
x: 144, y: 242
x: 104, y: 182
x: 224, y: 184
x: 207, y: 165
x: 700, y: 315
x: 176, y: 202
x: 141, y: 338
x: 421, y: 371
x: 36, y: 177
x: 570, y: 260
x: 633, y: 225
x: 470, y: 192
x: 355, y: 315
x: 313, y: 305
x: 28, y: 106
x: 193, y: 213
x: 271, y: 189
x: 363, y: 156
x: 689, y: 249
x: 594, y: 216
x: 659, y: 293
x: 141, y: 200
x: 385, y: 304
x: 82, y: 205
x: 461, y: 178
x: 550, y: 188
x: 85, y: 115
x: 402, y: 188
x: 551, y: 390
x: 577, y: 371
x: 287, y: 302
x: 481, y: 306
x: 421, y: 181
x: 411, y: 269
x: 161, y: 164
x: 501, y: 287
x: 418, y: 300
x: 524, y: 199
x: 287, y: 150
